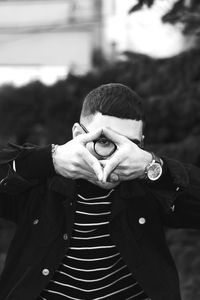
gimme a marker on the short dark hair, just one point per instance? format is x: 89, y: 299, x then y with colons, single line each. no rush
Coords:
x: 114, y: 99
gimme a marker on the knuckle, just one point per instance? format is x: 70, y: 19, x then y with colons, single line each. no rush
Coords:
x: 75, y: 165
x: 79, y: 154
x: 126, y: 172
x: 72, y: 168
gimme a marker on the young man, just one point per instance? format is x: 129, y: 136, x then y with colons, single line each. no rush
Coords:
x: 91, y: 212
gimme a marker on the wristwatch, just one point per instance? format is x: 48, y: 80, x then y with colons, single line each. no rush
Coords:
x: 153, y: 170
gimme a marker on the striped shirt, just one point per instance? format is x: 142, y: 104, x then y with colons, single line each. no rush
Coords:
x: 93, y: 267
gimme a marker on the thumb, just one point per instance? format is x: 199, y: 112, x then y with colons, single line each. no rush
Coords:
x: 110, y: 166
x: 94, y: 164
x: 113, y: 177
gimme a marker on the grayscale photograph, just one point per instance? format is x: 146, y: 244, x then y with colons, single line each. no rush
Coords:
x: 99, y: 150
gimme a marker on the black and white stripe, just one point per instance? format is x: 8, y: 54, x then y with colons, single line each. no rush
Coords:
x: 93, y: 268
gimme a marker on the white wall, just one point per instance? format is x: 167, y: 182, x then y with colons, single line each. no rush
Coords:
x: 61, y: 32
x: 64, y: 48
x: 27, y: 13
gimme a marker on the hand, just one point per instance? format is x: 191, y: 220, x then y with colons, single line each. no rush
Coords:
x: 73, y: 160
x: 128, y: 161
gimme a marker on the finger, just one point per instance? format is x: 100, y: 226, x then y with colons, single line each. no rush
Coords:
x: 87, y: 171
x: 87, y: 175
x: 94, y: 164
x: 114, y: 136
x: 89, y: 137
x: 113, y: 177
x: 110, y: 166
x: 103, y: 162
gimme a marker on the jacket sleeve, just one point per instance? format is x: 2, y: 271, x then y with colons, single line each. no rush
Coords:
x: 33, y: 166
x: 178, y: 193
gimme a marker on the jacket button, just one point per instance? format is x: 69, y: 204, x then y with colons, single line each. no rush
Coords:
x: 173, y: 208
x: 3, y: 182
x: 45, y: 272
x: 36, y: 221
x: 142, y: 220
x: 65, y: 236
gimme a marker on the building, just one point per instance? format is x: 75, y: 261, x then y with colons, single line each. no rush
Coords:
x: 49, y: 32
x: 47, y: 38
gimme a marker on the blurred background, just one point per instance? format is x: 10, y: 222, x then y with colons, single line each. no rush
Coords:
x: 53, y: 52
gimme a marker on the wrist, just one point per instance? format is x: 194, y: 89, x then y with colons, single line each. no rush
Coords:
x: 54, y: 148
x: 35, y: 162
x: 153, y: 170
x: 146, y: 160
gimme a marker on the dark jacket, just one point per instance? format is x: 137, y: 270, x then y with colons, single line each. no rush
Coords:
x: 41, y: 203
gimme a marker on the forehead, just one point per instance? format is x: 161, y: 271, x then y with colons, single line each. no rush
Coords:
x: 130, y: 128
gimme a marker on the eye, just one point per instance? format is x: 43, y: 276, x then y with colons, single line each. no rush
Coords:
x: 104, y: 142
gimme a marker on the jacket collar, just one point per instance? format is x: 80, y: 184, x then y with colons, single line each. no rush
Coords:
x: 63, y: 186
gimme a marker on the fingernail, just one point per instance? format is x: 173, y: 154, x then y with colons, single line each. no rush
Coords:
x: 114, y: 178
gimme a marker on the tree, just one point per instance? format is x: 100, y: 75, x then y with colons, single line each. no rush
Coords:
x: 186, y: 12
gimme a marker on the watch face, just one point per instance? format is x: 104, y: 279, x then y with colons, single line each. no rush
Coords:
x: 154, y: 171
